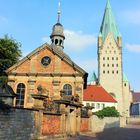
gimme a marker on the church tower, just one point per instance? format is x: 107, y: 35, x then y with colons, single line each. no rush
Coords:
x: 110, y: 57
x: 57, y: 37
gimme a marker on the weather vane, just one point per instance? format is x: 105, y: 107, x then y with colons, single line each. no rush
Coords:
x: 59, y: 12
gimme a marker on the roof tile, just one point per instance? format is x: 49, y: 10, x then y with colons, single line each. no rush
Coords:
x: 97, y: 93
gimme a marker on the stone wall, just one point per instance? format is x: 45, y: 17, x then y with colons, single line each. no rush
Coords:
x: 28, y: 124
x: 98, y: 125
x: 16, y: 124
x: 122, y: 121
x: 133, y: 120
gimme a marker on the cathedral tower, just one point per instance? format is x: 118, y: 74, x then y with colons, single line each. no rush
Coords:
x: 110, y: 57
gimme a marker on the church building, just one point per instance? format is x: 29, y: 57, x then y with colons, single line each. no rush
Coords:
x: 110, y: 65
x: 47, y: 68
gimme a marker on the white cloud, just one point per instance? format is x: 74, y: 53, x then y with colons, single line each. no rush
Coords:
x: 132, y: 16
x: 89, y: 65
x: 133, y: 47
x: 76, y: 40
x: 46, y: 39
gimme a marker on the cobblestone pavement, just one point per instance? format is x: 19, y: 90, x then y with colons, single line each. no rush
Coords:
x: 130, y: 132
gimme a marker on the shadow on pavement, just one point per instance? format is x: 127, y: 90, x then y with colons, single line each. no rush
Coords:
x: 119, y: 134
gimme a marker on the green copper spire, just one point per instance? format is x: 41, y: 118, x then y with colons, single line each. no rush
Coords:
x: 93, y: 78
x: 125, y: 78
x: 108, y: 23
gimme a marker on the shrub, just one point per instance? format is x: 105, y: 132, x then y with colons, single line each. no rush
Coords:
x: 107, y: 112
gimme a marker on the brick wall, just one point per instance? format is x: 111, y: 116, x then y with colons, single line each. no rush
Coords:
x: 84, y: 126
x: 51, y: 124
x: 16, y: 125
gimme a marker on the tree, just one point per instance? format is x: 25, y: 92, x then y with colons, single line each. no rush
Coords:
x: 9, y: 53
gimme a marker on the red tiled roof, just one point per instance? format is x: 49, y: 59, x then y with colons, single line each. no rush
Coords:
x: 136, y: 97
x: 97, y: 93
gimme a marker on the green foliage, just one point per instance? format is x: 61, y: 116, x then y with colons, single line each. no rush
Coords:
x: 3, y: 80
x: 107, y: 112
x: 9, y: 53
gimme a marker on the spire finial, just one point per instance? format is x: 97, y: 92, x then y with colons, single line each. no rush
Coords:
x: 59, y: 12
x: 108, y: 4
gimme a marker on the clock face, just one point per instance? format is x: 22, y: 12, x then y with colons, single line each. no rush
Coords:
x: 46, y: 60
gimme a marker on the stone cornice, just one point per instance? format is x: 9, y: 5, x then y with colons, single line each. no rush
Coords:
x: 46, y: 74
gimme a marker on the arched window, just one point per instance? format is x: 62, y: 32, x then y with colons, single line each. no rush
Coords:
x: 56, y: 41
x: 20, y: 95
x: 60, y: 43
x: 67, y: 89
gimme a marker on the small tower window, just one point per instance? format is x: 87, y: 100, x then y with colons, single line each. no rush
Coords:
x: 108, y: 71
x: 103, y: 58
x: 56, y: 41
x: 117, y: 65
x: 117, y: 72
x: 112, y: 58
x: 104, y: 71
x: 125, y: 84
x: 103, y: 65
x: 112, y: 65
x: 108, y: 65
x: 116, y: 58
x: 107, y: 58
x: 114, y: 51
x: 113, y: 72
x: 60, y: 43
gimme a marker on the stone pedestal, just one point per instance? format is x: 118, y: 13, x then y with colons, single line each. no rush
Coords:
x: 38, y: 100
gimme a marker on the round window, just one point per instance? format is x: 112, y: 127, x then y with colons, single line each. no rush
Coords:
x: 46, y: 61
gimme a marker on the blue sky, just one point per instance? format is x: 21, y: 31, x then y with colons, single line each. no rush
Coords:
x: 30, y: 23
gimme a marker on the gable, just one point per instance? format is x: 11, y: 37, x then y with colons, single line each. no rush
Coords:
x: 110, y: 42
x: 60, y: 62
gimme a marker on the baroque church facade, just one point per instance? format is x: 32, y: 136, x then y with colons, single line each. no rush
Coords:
x: 110, y: 65
x: 47, y: 68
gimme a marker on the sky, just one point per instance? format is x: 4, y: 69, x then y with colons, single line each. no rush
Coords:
x: 30, y: 22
